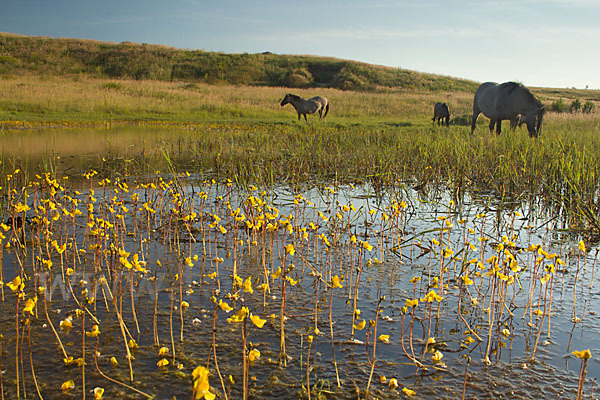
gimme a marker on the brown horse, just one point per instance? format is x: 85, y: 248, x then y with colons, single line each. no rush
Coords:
x: 440, y: 111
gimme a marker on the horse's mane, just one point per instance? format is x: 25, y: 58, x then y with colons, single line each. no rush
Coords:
x: 510, y: 87
x: 294, y: 96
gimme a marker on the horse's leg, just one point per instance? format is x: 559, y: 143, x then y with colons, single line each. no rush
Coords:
x: 299, y: 115
x: 492, y: 124
x: 474, y: 120
x: 326, y: 110
x: 498, y: 127
x: 305, y: 118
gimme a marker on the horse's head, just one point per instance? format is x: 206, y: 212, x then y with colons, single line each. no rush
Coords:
x: 285, y: 100
x: 534, y: 121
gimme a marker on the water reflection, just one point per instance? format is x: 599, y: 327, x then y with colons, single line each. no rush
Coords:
x: 414, y: 242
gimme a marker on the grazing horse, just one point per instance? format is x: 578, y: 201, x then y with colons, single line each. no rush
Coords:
x: 440, y: 111
x: 507, y: 101
x: 310, y: 106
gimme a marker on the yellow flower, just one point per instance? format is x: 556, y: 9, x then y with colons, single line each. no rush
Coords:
x: 382, y: 379
x: 412, y: 303
x: 437, y: 356
x: 68, y: 385
x: 415, y: 279
x: 66, y: 324
x: 290, y: 249
x: 16, y: 285
x: 393, y: 383
x: 95, y: 332
x: 163, y: 351
x: 384, y: 338
x: 408, y: 392
x: 335, y: 282
x: 432, y: 296
x: 256, y: 320
x: 583, y: 354
x: 98, y: 393
x: 185, y: 305
x: 132, y: 344
x: 224, y: 306
x: 360, y: 325
x: 582, y: 246
x: 238, y: 316
x: 248, y: 285
x: 162, y: 362
x: 505, y: 332
x: 253, y: 355
x: 367, y: 246
x: 291, y: 281
x: 447, y: 252
x: 276, y: 274
x: 113, y: 361
x: 29, y: 305
x: 468, y: 281
x: 201, y: 385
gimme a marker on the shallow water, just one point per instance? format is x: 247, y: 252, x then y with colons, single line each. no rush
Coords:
x: 404, y: 247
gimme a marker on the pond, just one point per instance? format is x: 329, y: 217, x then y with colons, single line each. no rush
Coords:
x: 337, y: 287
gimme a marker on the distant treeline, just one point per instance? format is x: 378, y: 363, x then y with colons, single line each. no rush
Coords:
x: 126, y: 60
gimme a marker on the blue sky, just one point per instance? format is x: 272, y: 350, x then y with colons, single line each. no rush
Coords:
x: 551, y: 43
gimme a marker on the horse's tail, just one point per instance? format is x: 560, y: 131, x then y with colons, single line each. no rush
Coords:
x: 326, y: 109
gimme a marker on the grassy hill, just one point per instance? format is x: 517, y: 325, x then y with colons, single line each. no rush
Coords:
x: 126, y: 60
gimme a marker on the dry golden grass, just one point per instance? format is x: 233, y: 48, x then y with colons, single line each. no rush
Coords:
x: 80, y: 98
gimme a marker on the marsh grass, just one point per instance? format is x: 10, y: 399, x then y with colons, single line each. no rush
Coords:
x: 561, y: 167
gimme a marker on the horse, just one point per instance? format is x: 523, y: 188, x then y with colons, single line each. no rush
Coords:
x: 507, y: 101
x: 310, y: 106
x: 440, y: 111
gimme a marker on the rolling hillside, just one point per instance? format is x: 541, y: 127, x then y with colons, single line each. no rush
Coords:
x: 126, y: 60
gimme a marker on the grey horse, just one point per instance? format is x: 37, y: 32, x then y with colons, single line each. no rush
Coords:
x: 440, y: 111
x: 310, y: 106
x: 506, y: 101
